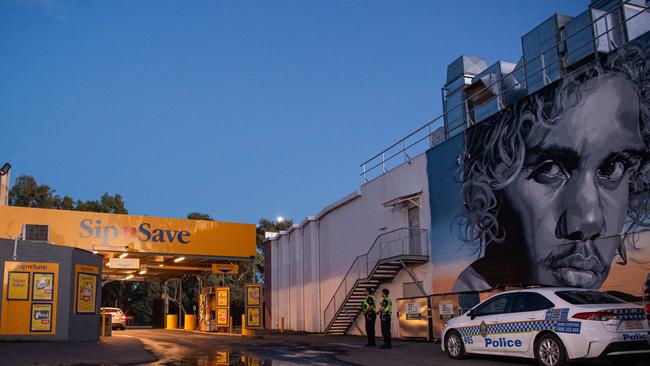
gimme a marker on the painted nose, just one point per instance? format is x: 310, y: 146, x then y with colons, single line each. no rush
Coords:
x: 584, y: 214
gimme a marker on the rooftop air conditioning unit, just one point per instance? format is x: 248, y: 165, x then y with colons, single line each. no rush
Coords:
x: 33, y: 232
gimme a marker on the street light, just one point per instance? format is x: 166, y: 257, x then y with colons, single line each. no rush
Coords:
x: 279, y: 219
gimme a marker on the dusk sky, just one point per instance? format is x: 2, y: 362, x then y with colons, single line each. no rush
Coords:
x: 239, y: 109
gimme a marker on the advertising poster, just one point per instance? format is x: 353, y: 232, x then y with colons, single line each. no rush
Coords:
x: 43, y: 287
x: 222, y: 317
x: 18, y: 286
x: 516, y: 208
x: 86, y: 287
x: 223, y: 296
x: 253, y: 319
x: 253, y: 295
x: 41, y: 318
x: 85, y: 282
x: 29, y: 298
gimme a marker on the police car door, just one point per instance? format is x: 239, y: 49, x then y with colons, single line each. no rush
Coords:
x: 485, y: 318
x: 524, y: 319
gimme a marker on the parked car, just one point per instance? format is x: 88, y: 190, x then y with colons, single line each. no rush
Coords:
x: 118, y: 317
x: 552, y: 325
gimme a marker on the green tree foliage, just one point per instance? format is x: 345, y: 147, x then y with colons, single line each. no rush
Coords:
x: 108, y: 204
x: 26, y: 192
x: 199, y: 216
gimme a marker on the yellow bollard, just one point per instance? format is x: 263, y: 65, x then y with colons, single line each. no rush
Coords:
x: 190, y: 322
x: 172, y: 321
x: 244, y: 331
x: 281, y: 325
x: 102, y: 331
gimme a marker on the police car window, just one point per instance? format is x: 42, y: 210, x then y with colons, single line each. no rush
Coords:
x: 588, y: 297
x: 496, y: 305
x: 530, y: 301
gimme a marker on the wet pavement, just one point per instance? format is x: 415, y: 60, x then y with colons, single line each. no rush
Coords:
x: 188, y: 348
x: 197, y: 348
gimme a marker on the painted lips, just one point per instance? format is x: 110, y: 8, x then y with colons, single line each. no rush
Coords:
x: 578, y: 270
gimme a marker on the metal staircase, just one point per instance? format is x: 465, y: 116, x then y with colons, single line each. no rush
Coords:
x: 391, y: 252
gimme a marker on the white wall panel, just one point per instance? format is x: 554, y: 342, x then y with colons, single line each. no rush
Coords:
x: 313, y: 258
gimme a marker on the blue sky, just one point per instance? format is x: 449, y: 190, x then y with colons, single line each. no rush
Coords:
x: 241, y: 109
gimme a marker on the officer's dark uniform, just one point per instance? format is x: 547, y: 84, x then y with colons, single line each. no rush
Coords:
x: 371, y: 317
x: 387, y: 305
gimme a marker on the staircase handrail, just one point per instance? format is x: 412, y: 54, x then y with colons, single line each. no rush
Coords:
x: 363, y: 259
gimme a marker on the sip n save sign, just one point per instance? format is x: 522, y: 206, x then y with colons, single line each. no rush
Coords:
x: 225, y: 268
x: 141, y: 234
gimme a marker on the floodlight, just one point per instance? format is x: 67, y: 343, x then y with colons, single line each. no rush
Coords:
x: 5, y: 169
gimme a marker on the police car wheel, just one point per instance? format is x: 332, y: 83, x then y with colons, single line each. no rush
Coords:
x: 549, y: 351
x: 454, y: 345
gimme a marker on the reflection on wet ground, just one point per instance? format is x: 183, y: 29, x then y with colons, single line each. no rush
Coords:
x: 308, y: 357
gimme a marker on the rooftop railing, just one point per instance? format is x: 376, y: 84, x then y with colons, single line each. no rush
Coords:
x: 424, y: 137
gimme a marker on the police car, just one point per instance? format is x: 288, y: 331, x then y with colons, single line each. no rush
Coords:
x: 552, y: 325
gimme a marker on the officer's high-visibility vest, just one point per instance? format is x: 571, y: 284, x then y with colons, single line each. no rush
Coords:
x: 366, y: 304
x: 388, y: 309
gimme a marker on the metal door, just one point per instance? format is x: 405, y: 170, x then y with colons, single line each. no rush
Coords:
x: 414, y: 232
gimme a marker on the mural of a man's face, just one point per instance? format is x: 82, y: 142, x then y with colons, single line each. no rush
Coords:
x: 572, y: 194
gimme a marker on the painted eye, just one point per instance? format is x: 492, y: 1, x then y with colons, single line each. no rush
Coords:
x: 613, y: 170
x: 548, y: 172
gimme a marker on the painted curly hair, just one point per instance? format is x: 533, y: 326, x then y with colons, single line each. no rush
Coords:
x: 495, y: 150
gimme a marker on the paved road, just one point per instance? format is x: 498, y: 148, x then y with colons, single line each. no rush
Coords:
x: 177, y: 347
x: 118, y: 350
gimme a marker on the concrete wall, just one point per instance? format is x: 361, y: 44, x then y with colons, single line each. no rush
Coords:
x: 69, y: 326
x: 311, y: 259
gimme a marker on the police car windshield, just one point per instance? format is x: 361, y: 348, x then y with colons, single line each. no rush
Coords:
x: 587, y: 297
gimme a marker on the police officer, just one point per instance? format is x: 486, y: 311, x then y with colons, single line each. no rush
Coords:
x: 385, y: 312
x: 370, y: 316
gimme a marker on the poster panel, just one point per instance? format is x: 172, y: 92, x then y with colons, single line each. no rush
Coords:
x: 43, y: 287
x: 34, y: 312
x: 535, y: 195
x: 253, y: 295
x: 18, y: 286
x: 86, y: 293
x: 41, y: 318
x: 223, y: 297
x: 253, y: 317
x: 223, y: 317
x: 85, y: 282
